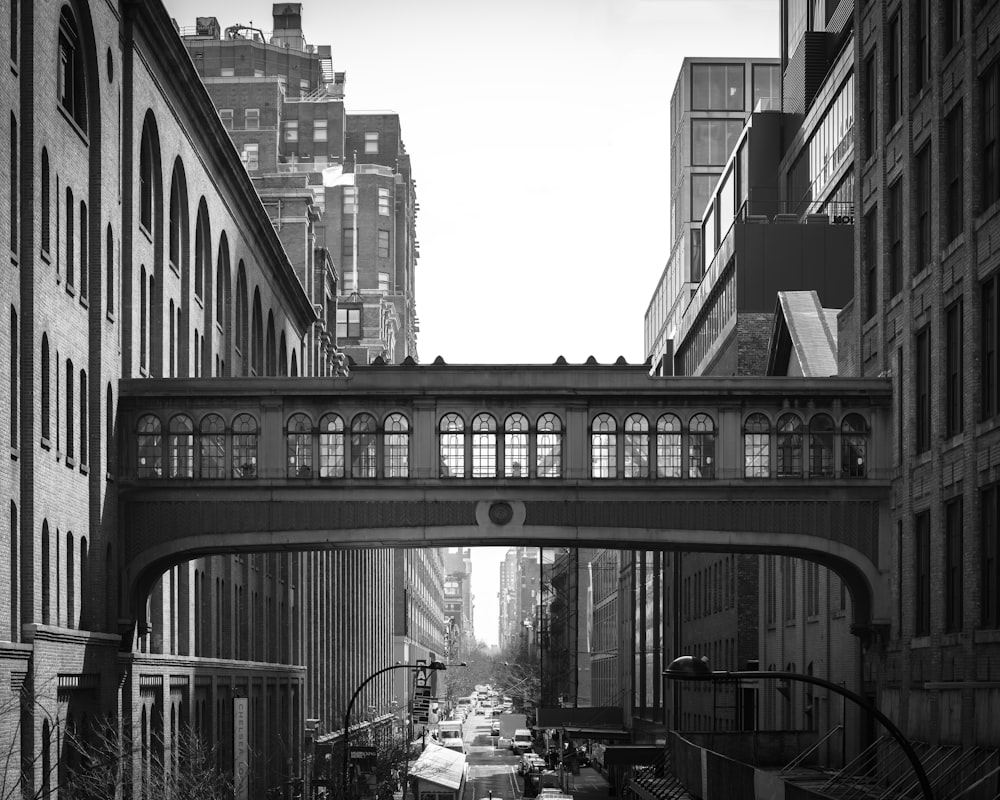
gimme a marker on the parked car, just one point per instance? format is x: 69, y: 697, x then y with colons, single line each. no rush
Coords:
x: 530, y: 761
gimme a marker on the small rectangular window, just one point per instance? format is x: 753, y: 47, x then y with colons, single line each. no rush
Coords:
x: 251, y: 154
x: 383, y: 244
x: 383, y: 281
x: 226, y: 115
x: 348, y: 323
x: 319, y: 130
x: 303, y: 85
x: 347, y: 242
x: 251, y: 119
x: 227, y: 72
x: 347, y: 282
x: 292, y: 130
x: 371, y: 142
x: 383, y: 202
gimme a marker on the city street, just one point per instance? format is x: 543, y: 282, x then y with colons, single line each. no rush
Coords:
x: 492, y: 771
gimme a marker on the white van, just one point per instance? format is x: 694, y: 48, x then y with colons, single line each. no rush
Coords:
x: 450, y: 735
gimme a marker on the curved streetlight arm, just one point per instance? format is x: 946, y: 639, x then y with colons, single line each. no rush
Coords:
x: 686, y: 670
x: 433, y: 665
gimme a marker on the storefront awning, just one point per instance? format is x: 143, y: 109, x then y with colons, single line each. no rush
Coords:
x: 618, y: 734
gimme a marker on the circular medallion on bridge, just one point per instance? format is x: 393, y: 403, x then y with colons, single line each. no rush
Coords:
x: 501, y: 513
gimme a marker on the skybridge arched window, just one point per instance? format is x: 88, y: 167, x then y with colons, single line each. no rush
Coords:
x: 364, y: 446
x: 149, y: 444
x: 451, y: 446
x: 701, y: 446
x: 668, y: 446
x: 180, y: 445
x: 331, y: 446
x: 853, y: 446
x: 298, y: 446
x: 212, y: 447
x: 821, y: 446
x: 396, y: 446
x: 603, y: 447
x: 515, y: 446
x: 756, y: 446
x: 548, y: 446
x: 789, y: 446
x: 636, y: 449
x: 244, y: 446
x: 484, y: 446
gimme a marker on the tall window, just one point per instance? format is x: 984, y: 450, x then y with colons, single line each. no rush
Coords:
x: 869, y: 244
x: 14, y: 376
x: 953, y: 179
x: 854, y: 446
x: 895, y: 69
x: 146, y: 180
x: 484, y: 446
x: 364, y: 446
x: 371, y: 142
x: 226, y: 115
x: 701, y: 447
x: 347, y: 242
x: 46, y: 203
x: 894, y: 220
x: 989, y: 339
x: 789, y: 446
x: 298, y: 446
x: 953, y: 550
x: 922, y: 574
x: 46, y: 394
x: 251, y: 119
x: 953, y: 11
x: 84, y: 420
x: 319, y: 130
x: 548, y: 450
x: 989, y: 555
x: 84, y: 252
x: 70, y: 83
x: 922, y: 179
x: 349, y: 198
x: 14, y: 189
x: 180, y: 447
x: 70, y: 414
x: 291, y: 130
x: 251, y: 156
x: 149, y: 447
x: 143, y: 318
x: 244, y: 446
x: 109, y: 271
x: 70, y: 236
x: 989, y: 86
x: 383, y: 202
x: 635, y: 455
x: 668, y: 446
x: 922, y: 51
x: 515, y: 446
x: 871, y: 104
x: 821, y: 446
x: 756, y: 446
x: 954, y: 397
x: 396, y: 446
x: 383, y: 244
x: 331, y: 446
x: 603, y: 453
x: 212, y: 447
x: 451, y: 436
x: 922, y: 394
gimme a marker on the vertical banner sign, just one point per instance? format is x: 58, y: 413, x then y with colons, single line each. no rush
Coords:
x: 241, y: 748
x: 422, y: 692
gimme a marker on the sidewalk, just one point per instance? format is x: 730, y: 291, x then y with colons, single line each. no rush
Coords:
x: 590, y: 784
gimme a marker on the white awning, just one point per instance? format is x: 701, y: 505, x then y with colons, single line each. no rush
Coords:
x: 441, y: 766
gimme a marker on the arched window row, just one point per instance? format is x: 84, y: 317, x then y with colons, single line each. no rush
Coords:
x: 511, y: 447
x: 635, y: 447
x: 793, y: 447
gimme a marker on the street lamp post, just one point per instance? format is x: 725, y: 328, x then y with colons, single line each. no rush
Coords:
x: 689, y: 668
x: 433, y: 665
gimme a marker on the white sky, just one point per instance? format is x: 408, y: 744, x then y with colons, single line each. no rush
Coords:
x: 539, y: 137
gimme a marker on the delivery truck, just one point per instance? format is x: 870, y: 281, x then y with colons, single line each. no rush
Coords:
x: 509, y: 723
